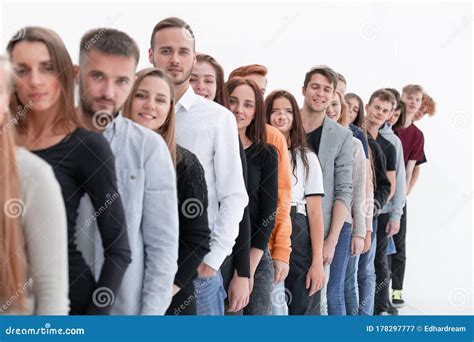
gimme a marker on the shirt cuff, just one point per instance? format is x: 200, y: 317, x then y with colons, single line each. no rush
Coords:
x: 215, y: 257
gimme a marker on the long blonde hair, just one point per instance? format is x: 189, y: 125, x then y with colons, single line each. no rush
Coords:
x: 167, y: 130
x: 12, y: 254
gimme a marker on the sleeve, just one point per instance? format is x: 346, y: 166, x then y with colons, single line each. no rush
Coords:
x: 232, y: 196
x: 343, y: 172
x: 399, y: 198
x: 100, y: 183
x: 194, y: 232
x: 46, y: 242
x: 314, y: 178
x: 362, y: 138
x: 241, y: 250
x: 382, y: 183
x: 391, y: 157
x: 280, y: 241
x: 422, y: 160
x: 359, y: 188
x: 160, y: 228
x: 267, y: 199
x: 418, y: 148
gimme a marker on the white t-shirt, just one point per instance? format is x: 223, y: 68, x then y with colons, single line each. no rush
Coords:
x: 305, y: 184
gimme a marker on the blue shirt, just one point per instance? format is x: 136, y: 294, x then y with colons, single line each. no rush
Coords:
x: 359, y: 134
x: 147, y: 186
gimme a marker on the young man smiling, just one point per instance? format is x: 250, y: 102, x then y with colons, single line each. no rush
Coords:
x: 209, y: 131
x: 333, y: 145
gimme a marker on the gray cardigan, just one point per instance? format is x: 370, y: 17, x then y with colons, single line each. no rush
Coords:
x: 396, y: 204
x: 45, y: 232
x: 335, y: 156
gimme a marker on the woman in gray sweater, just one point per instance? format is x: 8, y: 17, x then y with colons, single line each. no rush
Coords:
x: 34, y: 278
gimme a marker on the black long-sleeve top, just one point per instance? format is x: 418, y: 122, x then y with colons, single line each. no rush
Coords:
x: 83, y: 163
x: 194, y: 231
x: 241, y: 249
x: 262, y: 173
x: 382, y: 183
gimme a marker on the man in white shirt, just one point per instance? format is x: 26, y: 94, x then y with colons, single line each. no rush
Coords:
x: 209, y: 131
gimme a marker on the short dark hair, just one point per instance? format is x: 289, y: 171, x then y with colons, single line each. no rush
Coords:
x: 324, y: 70
x: 396, y: 94
x: 109, y: 41
x: 341, y: 78
x: 382, y: 95
x: 172, y: 22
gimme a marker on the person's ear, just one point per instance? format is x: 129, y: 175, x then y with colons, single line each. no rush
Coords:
x: 303, y: 90
x: 150, y: 56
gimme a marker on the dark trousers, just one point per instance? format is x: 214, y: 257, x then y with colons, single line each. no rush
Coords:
x: 382, y: 270
x: 398, y: 260
x: 184, y: 302
x: 299, y: 301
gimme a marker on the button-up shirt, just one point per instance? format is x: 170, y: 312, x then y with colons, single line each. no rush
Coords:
x: 147, y: 187
x: 209, y: 130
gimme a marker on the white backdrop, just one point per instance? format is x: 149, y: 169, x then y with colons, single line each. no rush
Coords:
x: 373, y: 45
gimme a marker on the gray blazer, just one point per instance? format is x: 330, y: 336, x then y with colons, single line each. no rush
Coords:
x: 335, y: 156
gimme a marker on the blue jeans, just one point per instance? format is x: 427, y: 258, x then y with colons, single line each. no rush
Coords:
x: 210, y: 295
x: 335, y: 288
x: 260, y: 303
x: 350, y: 287
x: 366, y: 276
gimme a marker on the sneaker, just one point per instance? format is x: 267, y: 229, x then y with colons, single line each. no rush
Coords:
x: 397, y: 300
x: 382, y: 313
x: 392, y: 311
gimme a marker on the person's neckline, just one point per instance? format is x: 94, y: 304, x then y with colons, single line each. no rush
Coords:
x: 59, y: 143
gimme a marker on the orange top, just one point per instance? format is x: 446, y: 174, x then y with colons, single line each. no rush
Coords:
x: 280, y: 240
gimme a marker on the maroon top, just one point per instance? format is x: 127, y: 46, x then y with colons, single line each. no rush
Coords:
x: 412, y: 141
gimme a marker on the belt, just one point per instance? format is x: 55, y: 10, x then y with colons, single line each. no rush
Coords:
x: 298, y: 209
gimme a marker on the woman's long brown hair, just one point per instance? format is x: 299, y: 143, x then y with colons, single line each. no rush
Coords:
x: 12, y: 254
x: 167, y: 130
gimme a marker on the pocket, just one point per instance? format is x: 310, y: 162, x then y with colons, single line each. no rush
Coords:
x: 131, y: 184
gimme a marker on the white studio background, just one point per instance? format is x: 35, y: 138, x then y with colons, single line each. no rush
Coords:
x: 373, y: 45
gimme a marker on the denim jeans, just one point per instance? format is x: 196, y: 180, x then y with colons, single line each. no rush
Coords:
x: 398, y: 260
x: 260, y: 303
x: 335, y: 288
x: 210, y: 295
x: 351, y: 287
x: 366, y: 276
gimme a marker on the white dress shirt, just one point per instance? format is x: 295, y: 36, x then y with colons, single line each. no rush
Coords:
x: 209, y: 130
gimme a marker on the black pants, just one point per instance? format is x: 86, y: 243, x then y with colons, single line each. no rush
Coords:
x: 184, y: 302
x: 398, y: 260
x: 299, y: 301
x: 382, y: 270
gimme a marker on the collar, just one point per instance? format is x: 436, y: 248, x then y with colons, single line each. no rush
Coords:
x: 187, y: 100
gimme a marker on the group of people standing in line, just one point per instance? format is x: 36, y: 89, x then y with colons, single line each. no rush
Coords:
x: 171, y: 191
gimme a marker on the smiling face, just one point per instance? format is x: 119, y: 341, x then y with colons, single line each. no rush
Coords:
x: 281, y: 116
x: 173, y: 52
x: 334, y: 110
x: 37, y: 82
x: 378, y: 111
x: 242, y: 104
x: 318, y: 94
x: 203, y: 80
x: 105, y: 82
x: 151, y: 103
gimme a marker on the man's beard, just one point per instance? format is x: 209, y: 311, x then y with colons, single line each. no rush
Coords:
x: 184, y: 79
x: 86, y: 106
